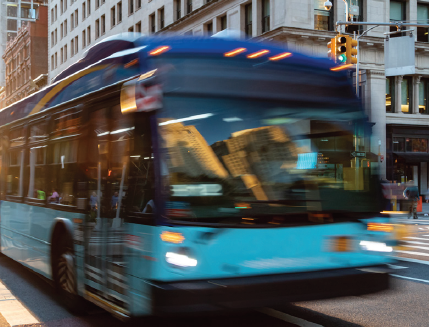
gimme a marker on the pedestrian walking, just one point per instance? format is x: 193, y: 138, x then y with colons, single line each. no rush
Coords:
x: 412, y: 194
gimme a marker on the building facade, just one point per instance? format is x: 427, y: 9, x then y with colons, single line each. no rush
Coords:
x: 14, y: 14
x: 25, y: 57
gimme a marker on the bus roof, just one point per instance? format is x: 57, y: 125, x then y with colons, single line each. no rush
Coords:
x: 114, y: 59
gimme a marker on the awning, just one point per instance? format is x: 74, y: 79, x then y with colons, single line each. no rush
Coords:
x: 413, y: 157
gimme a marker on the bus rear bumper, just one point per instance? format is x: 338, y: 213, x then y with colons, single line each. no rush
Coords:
x: 260, y: 291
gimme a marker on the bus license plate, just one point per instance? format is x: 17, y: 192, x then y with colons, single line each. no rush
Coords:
x: 341, y: 244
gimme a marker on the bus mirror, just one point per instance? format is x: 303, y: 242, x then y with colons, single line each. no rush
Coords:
x: 140, y: 97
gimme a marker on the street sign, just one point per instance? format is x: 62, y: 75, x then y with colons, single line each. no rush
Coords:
x: 399, y: 55
x: 358, y: 154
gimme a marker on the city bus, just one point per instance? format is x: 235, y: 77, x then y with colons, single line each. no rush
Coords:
x: 174, y: 174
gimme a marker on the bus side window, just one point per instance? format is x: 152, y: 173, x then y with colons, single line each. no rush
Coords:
x: 37, y: 161
x: 15, y: 174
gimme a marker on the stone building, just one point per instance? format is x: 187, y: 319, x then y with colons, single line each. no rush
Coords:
x: 14, y: 14
x: 25, y: 57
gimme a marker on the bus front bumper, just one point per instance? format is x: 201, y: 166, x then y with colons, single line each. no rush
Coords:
x: 260, y: 291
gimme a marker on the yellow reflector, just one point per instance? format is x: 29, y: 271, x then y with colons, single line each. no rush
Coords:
x: 379, y: 227
x: 159, y: 50
x: 172, y: 237
x: 281, y: 56
x: 257, y: 54
x: 131, y: 63
x: 242, y: 205
x: 234, y: 52
x: 342, y: 67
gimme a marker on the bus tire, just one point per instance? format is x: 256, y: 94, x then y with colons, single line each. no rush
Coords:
x: 65, y: 276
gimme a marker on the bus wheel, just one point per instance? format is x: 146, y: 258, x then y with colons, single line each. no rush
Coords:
x: 65, y: 278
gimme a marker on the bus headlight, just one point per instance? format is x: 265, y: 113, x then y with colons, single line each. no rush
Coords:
x: 180, y: 260
x: 375, y: 246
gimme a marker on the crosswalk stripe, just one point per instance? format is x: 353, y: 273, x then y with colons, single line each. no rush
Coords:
x: 418, y: 247
x: 414, y: 242
x: 416, y: 238
x: 413, y: 252
x: 12, y: 310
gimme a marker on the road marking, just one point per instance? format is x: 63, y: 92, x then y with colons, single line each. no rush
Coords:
x: 12, y: 310
x: 413, y: 252
x: 397, y: 267
x: 288, y: 318
x: 417, y: 238
x: 418, y: 247
x: 414, y: 242
x: 423, y: 262
x: 411, y: 278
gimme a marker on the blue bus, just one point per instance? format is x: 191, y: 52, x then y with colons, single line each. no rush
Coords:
x: 178, y: 174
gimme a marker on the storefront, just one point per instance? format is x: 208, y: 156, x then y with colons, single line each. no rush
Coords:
x: 407, y: 155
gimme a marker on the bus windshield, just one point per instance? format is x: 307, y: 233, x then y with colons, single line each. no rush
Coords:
x: 226, y: 158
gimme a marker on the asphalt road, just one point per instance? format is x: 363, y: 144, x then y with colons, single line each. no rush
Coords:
x: 405, y: 304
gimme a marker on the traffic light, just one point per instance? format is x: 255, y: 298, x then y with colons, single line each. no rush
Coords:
x: 341, y: 48
x: 351, y: 50
x: 331, y: 51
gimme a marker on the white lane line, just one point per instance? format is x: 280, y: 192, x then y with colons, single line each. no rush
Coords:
x: 423, y: 262
x: 414, y: 242
x: 12, y: 310
x: 411, y: 278
x: 418, y: 247
x: 288, y: 318
x: 413, y: 252
x: 397, y: 267
x: 417, y: 238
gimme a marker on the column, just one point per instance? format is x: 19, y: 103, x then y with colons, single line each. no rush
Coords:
x: 416, y: 95
x: 256, y: 18
x: 375, y: 103
x: 398, y: 91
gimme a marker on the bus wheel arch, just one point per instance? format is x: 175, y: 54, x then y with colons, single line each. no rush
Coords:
x: 63, y: 264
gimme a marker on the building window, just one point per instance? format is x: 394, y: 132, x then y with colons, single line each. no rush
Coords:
x: 248, y: 19
x: 76, y: 45
x: 188, y: 6
x: 62, y: 56
x: 65, y: 5
x: 131, y: 29
x: 161, y: 18
x: 390, y: 94
x: 62, y: 6
x: 119, y: 12
x: 397, y: 14
x: 12, y: 25
x: 265, y: 16
x: 72, y: 48
x: 83, y: 11
x: 139, y: 27
x: 97, y: 4
x: 88, y: 8
x: 52, y: 15
x: 423, y: 97
x: 130, y: 7
x: 209, y: 28
x: 323, y: 19
x: 223, y: 23
x: 356, y: 18
x: 97, y: 29
x: 56, y: 12
x: 177, y: 9
x: 152, y: 23
x: 56, y: 36
x: 52, y: 39
x: 139, y: 4
x: 61, y: 31
x: 406, y: 93
x: 72, y: 22
x: 76, y: 18
x: 113, y: 17
x: 52, y: 62
x: 88, y: 32
x: 65, y: 53
x: 412, y: 144
x: 83, y: 39
x: 399, y: 144
x: 65, y: 28
x: 422, y: 18
x: 56, y: 60
x: 103, y: 24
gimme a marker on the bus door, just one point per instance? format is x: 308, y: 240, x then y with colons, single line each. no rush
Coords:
x: 120, y: 184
